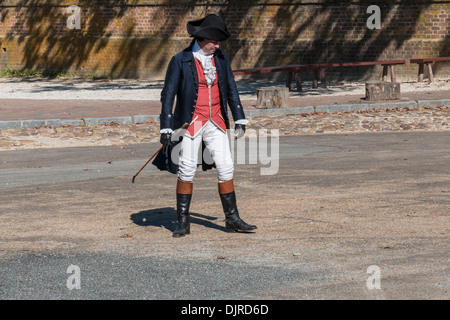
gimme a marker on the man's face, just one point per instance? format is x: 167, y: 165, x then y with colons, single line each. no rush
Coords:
x: 209, y: 46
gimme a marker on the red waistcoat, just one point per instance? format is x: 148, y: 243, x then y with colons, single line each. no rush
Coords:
x: 208, y: 104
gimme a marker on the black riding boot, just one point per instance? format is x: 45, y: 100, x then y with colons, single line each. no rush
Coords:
x: 184, y: 196
x: 233, y: 223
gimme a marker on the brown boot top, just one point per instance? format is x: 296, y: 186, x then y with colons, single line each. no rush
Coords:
x: 184, y: 187
x: 226, y: 186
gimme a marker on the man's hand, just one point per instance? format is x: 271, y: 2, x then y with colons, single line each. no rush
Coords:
x: 165, y: 138
x: 239, y: 130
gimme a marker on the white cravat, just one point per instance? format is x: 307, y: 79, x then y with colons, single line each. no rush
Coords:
x: 206, y: 61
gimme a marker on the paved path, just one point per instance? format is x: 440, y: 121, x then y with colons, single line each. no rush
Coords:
x: 114, y: 101
x: 337, y: 207
x: 65, y: 109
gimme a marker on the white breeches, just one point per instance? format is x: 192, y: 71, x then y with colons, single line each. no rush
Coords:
x: 218, y: 145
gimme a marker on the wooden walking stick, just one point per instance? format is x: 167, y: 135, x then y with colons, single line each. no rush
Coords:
x: 134, y: 177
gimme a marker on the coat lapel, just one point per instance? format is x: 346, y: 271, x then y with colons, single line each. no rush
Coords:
x: 194, y: 72
x: 219, y: 68
x: 188, y: 58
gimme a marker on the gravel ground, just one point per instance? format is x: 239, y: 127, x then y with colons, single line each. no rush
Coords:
x: 419, y: 119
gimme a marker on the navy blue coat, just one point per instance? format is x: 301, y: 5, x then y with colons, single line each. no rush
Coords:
x: 181, y: 82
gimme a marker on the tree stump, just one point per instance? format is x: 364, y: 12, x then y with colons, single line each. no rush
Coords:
x: 381, y: 90
x: 272, y: 97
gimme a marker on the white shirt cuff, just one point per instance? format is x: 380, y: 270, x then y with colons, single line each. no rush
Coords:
x: 167, y: 130
x: 242, y: 121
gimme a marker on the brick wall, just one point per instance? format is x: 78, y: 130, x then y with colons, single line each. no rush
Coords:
x: 136, y: 38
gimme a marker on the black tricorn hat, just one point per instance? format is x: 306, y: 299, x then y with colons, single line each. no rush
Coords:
x: 211, y: 27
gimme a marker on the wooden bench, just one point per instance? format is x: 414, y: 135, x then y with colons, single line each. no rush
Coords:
x: 429, y: 63
x: 319, y: 71
x: 287, y: 68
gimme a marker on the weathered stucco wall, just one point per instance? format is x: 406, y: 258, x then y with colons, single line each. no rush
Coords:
x: 136, y: 38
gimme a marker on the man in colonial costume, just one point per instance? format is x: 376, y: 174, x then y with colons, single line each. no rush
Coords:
x: 201, y: 80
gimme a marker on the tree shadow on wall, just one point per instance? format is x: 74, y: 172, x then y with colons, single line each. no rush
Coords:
x: 151, y: 48
x: 332, y: 31
x: 286, y: 33
x: 444, y: 51
x: 39, y: 27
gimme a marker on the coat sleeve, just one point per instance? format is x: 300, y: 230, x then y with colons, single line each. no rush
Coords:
x: 233, y: 99
x: 169, y: 92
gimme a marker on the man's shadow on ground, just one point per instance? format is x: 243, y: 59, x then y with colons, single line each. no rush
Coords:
x: 167, y: 218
